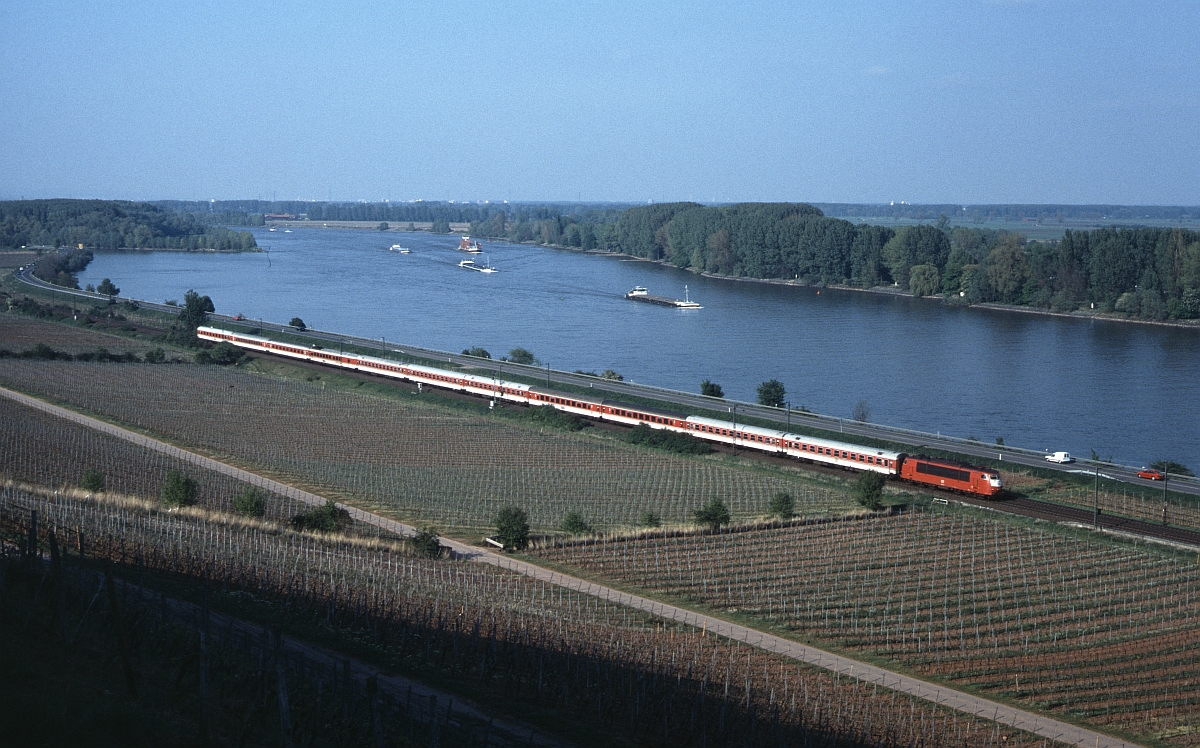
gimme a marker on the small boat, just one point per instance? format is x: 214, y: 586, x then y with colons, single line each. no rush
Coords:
x: 637, y: 291
x: 287, y: 231
x: 398, y: 248
x: 470, y: 265
x: 271, y: 229
x: 467, y: 244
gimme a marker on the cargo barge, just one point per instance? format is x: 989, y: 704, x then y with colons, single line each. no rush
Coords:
x: 641, y: 294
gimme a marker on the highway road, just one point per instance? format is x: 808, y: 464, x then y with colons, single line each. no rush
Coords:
x: 687, y: 402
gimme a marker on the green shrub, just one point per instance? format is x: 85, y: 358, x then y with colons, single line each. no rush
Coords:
x: 649, y: 519
x: 426, y: 543
x: 92, y: 480
x: 179, y: 489
x: 512, y: 527
x: 328, y: 518
x: 668, y: 440
x: 868, y: 491
x: 714, y: 514
x: 782, y: 505
x: 250, y: 503
x: 575, y: 524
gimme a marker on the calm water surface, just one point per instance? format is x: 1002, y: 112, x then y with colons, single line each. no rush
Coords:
x: 1130, y: 392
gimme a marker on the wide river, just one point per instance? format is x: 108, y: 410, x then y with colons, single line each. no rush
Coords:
x: 1130, y: 392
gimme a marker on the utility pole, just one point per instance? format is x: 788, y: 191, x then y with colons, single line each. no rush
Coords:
x: 789, y: 414
x: 1096, y: 508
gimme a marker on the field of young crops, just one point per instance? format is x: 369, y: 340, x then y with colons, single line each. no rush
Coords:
x: 518, y: 638
x: 22, y: 333
x: 37, y: 448
x: 425, y: 463
x: 1088, y: 628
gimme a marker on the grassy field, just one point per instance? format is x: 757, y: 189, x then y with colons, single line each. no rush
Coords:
x: 1062, y: 623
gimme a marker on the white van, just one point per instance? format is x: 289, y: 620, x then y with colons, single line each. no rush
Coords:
x: 1060, y: 457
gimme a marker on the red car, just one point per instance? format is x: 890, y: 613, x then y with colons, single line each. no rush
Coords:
x: 1150, y: 474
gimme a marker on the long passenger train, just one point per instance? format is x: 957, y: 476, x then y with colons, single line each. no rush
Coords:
x: 917, y: 469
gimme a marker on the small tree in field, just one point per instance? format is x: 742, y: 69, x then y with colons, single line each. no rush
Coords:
x: 868, y: 491
x: 178, y: 489
x: 650, y: 519
x: 512, y: 527
x: 426, y: 543
x: 328, y: 518
x: 250, y: 503
x: 714, y: 514
x: 92, y: 480
x: 107, y: 288
x: 298, y: 323
x: 782, y: 505
x: 575, y: 524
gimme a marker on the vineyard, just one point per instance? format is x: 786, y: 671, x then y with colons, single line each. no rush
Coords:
x: 37, y: 448
x: 22, y: 333
x: 1064, y: 624
x: 426, y: 463
x: 518, y: 639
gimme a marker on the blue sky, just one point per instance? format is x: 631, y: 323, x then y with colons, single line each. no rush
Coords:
x: 973, y: 102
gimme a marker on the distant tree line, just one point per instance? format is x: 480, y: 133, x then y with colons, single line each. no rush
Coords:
x: 110, y: 224
x: 1149, y: 273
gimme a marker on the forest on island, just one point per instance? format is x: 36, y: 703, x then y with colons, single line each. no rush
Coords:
x: 1148, y: 273
x: 111, y: 224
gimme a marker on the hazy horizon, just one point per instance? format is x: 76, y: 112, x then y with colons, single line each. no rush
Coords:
x: 996, y: 102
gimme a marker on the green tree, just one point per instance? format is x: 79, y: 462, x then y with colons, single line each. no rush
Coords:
x: 923, y: 280
x: 711, y: 389
x: 512, y: 527
x: 440, y: 227
x: 178, y: 489
x: 383, y: 226
x: 92, y: 481
x: 649, y: 519
x: 782, y: 505
x: 915, y: 245
x: 862, y: 411
x: 1008, y: 268
x: 1172, y: 467
x: 714, y: 514
x: 107, y: 288
x: 298, y: 324
x: 521, y: 356
x: 610, y: 374
x: 155, y: 356
x: 196, y: 309
x: 575, y: 524
x: 426, y: 543
x: 771, y: 393
x: 868, y: 491
x: 251, y: 503
x: 477, y: 352
x: 327, y: 518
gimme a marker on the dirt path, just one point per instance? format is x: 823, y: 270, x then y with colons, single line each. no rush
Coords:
x: 946, y: 697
